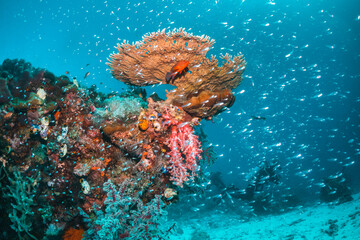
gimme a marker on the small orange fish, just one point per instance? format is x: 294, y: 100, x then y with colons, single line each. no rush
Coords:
x: 177, y: 69
x: 8, y: 115
x: 57, y: 115
x: 67, y: 72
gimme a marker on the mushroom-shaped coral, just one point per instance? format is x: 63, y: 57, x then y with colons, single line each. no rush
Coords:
x: 147, y: 62
x: 155, y: 59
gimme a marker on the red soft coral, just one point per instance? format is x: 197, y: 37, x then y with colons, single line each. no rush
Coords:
x: 183, y: 142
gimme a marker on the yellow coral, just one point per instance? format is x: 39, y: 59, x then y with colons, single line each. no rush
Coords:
x: 143, y: 124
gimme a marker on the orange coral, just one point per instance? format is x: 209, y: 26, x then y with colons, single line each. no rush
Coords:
x: 143, y: 124
x: 74, y: 234
x: 148, y: 61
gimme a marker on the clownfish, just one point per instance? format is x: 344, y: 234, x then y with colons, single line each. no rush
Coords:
x: 176, y: 70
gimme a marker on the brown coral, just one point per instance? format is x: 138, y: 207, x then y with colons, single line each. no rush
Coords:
x: 147, y: 62
x: 111, y: 127
x: 208, y: 103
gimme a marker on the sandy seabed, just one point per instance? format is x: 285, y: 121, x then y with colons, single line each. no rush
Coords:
x: 323, y: 221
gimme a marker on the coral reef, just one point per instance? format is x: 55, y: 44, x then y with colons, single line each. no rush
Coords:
x: 148, y: 61
x: 80, y: 143
x: 76, y: 162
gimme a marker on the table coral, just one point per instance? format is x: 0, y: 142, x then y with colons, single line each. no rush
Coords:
x: 147, y: 62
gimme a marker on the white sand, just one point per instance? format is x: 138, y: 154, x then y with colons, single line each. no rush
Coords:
x: 304, y: 223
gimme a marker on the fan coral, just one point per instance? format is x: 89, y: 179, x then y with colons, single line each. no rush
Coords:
x: 147, y: 62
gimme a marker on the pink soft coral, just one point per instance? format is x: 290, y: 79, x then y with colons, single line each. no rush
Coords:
x: 183, y: 142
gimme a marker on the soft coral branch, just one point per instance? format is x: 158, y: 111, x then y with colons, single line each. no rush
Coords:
x: 183, y: 142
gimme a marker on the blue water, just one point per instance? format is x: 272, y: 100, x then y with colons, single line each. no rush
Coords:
x: 302, y: 73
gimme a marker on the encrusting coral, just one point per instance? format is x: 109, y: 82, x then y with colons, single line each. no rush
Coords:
x: 147, y: 62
